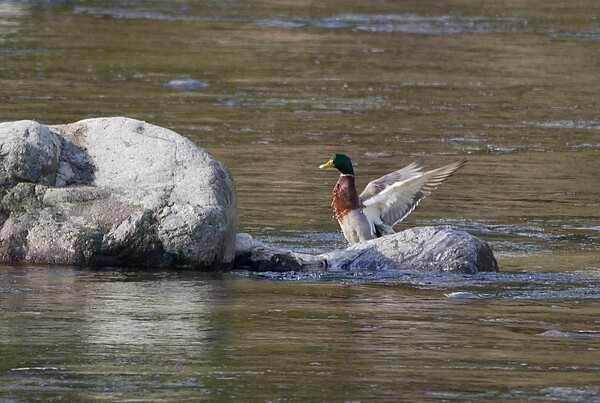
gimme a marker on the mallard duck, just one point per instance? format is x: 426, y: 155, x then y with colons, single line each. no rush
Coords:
x: 385, y: 201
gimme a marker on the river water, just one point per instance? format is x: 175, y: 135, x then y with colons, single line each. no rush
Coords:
x: 272, y: 89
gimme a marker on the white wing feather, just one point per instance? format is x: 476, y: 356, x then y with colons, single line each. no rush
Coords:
x: 397, y: 200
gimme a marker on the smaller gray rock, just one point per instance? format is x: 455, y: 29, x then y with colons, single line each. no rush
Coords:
x: 423, y: 249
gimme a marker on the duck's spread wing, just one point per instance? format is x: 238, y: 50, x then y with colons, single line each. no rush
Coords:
x: 374, y: 187
x: 398, y: 199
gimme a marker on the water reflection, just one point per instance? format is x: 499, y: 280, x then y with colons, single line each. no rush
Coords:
x: 410, y: 23
x: 118, y: 334
x: 11, y: 14
x: 407, y: 23
x: 147, y: 313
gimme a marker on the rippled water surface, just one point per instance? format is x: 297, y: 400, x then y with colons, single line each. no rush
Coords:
x: 272, y: 89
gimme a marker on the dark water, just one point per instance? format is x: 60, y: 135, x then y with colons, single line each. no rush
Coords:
x: 272, y: 89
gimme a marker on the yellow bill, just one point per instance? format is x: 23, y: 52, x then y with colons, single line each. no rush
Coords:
x: 328, y: 164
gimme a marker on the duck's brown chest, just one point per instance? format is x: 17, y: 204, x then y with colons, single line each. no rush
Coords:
x: 344, y: 197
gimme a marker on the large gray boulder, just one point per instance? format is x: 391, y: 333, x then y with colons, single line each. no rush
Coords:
x: 112, y: 191
x: 439, y: 249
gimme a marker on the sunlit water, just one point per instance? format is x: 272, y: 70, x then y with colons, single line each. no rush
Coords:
x: 273, y: 89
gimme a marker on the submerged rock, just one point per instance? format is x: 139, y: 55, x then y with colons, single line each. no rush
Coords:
x: 253, y: 255
x: 112, y: 191
x: 423, y: 249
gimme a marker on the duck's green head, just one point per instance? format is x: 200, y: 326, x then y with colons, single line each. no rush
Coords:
x: 341, y: 162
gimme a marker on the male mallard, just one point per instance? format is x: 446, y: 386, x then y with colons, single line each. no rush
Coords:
x: 385, y: 201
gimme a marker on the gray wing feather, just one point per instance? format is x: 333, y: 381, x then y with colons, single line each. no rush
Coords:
x: 395, y: 202
x: 404, y: 174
